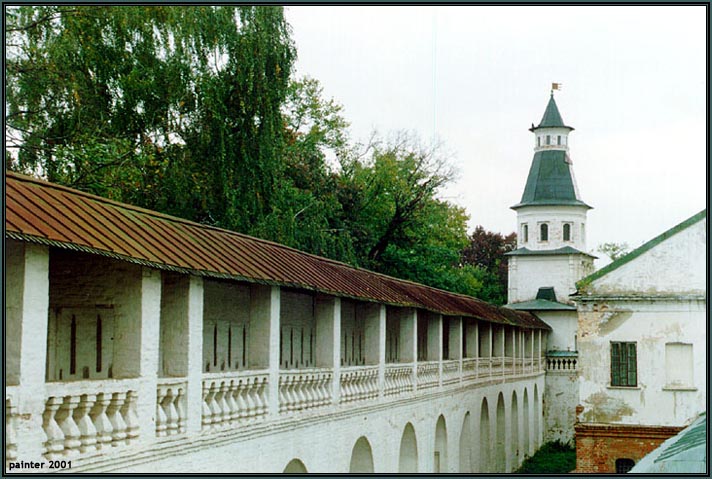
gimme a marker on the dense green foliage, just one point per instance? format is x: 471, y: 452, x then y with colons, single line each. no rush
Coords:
x: 551, y: 458
x: 194, y: 111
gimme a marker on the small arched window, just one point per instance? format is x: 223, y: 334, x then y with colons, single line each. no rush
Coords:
x: 538, y: 141
x: 548, y: 139
x: 544, y: 232
x: 525, y: 233
x: 558, y: 140
x: 567, y: 231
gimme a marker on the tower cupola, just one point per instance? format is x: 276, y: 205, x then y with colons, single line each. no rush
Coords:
x: 551, y: 133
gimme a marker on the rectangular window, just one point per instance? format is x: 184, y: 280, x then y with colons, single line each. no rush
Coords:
x: 548, y: 139
x: 525, y: 233
x: 543, y: 232
x: 567, y: 231
x: 624, y: 370
x: 558, y: 140
x: 678, y: 365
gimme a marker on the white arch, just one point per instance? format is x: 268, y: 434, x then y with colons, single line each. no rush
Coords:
x: 514, y: 429
x: 485, y: 446
x: 440, y: 451
x: 526, y: 426
x: 295, y: 466
x: 466, y: 445
x: 361, y: 457
x: 500, y: 453
x: 408, y: 456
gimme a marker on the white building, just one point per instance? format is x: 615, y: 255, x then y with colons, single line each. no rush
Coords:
x: 139, y: 342
x: 642, y: 348
x: 549, y: 259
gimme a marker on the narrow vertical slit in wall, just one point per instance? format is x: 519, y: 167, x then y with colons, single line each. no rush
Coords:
x: 73, y: 346
x: 229, y: 346
x: 98, y: 343
x: 215, y: 345
x: 244, y: 347
x: 301, y: 347
x: 291, y: 346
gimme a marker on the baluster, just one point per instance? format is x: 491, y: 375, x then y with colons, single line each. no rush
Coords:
x: 180, y: 410
x: 252, y: 396
x: 118, y: 436
x: 206, y: 408
x: 171, y: 413
x: 292, y: 392
x: 161, y: 417
x: 215, y: 411
x: 230, y: 401
x: 87, y: 431
x: 283, y: 398
x: 220, y: 399
x: 69, y: 427
x: 55, y: 436
x: 10, y: 432
x: 128, y: 411
x: 309, y: 396
x: 241, y: 398
x: 261, y: 399
x: 103, y: 426
x: 344, y: 385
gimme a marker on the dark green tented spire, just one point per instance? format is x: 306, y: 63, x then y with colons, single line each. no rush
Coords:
x: 552, y: 117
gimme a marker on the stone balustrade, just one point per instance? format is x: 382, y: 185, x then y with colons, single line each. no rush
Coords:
x: 451, y: 371
x: 303, y: 389
x: 233, y: 397
x: 427, y: 374
x: 170, y: 406
x: 565, y: 363
x: 399, y: 379
x: 469, y: 369
x: 88, y: 416
x: 359, y: 383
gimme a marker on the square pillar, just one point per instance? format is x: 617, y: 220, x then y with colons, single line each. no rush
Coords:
x: 409, y: 342
x: 264, y: 339
x: 144, y: 330
x: 327, y: 311
x: 182, y: 339
x: 27, y: 310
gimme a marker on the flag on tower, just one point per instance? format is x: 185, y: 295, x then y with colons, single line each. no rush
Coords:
x: 556, y: 86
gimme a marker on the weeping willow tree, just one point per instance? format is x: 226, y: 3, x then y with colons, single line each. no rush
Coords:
x: 169, y: 107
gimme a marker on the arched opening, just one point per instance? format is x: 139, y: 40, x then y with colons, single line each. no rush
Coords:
x: 295, y: 466
x: 484, y: 438
x: 514, y: 427
x: 624, y: 465
x: 466, y: 445
x: 525, y: 425
x: 500, y: 455
x: 543, y: 232
x: 567, y: 232
x: 440, y: 452
x: 408, y: 460
x: 537, y: 417
x: 361, y: 457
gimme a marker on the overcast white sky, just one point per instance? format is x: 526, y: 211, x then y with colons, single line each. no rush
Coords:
x: 477, y: 77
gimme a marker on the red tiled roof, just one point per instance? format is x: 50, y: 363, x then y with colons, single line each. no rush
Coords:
x: 41, y: 212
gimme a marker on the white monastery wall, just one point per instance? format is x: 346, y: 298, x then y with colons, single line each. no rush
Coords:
x: 674, y: 384
x: 674, y: 266
x: 564, y: 325
x: 529, y: 273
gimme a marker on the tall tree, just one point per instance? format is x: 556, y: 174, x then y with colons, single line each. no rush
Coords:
x: 173, y: 108
x: 486, y: 250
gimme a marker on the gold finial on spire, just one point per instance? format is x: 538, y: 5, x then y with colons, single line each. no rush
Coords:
x: 555, y: 86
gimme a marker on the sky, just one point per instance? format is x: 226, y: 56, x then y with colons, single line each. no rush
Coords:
x: 476, y: 77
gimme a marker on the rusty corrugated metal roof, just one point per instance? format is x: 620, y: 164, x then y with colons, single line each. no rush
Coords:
x: 41, y: 212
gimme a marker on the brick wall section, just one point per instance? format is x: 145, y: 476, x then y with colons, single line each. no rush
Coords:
x: 599, y: 445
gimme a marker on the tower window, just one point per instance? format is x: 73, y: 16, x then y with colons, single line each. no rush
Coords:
x: 558, y: 140
x: 548, y: 139
x: 544, y: 232
x: 525, y: 233
x: 567, y: 231
x: 538, y: 141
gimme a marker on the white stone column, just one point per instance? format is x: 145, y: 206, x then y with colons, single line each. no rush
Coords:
x: 328, y: 333
x: 456, y: 341
x: 194, y: 356
x: 148, y: 324
x: 264, y: 339
x: 27, y: 310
